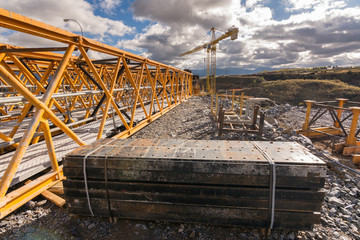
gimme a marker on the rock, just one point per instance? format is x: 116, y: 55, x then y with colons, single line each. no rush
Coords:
x: 41, y: 203
x: 328, y: 221
x: 3, y: 223
x: 344, y: 238
x: 305, y: 140
x: 271, y: 120
x: 336, y: 201
x: 344, y: 228
x: 31, y: 204
x: 345, y: 212
x: 335, y: 193
x: 353, y: 228
x: 331, y: 214
x: 192, y: 235
x: 291, y: 236
x: 279, y: 139
x: 91, y: 226
x: 354, y: 192
x: 336, y: 234
x: 347, y: 218
x: 181, y: 228
x: 142, y: 226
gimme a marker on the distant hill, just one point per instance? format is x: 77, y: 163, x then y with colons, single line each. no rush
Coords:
x: 347, y: 75
x: 297, y: 90
x: 295, y: 87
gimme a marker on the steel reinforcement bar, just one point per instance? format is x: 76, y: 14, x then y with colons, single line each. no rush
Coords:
x: 50, y: 91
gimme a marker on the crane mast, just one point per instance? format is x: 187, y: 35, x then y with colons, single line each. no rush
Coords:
x: 211, y: 55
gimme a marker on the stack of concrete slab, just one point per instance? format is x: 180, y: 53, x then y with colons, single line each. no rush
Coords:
x: 215, y: 182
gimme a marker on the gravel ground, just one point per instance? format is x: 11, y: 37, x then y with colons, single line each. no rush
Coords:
x: 40, y: 219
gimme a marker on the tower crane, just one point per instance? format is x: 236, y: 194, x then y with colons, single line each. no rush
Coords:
x: 211, y: 47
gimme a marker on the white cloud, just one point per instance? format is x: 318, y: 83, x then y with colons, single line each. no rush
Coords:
x: 53, y: 12
x: 317, y: 35
x: 310, y: 32
x: 296, y: 5
x: 254, y: 3
x: 109, y: 6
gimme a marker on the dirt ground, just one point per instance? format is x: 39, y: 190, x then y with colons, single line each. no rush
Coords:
x: 41, y: 219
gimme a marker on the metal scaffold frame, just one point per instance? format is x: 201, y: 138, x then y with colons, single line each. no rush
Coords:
x: 56, y: 93
x: 340, y: 111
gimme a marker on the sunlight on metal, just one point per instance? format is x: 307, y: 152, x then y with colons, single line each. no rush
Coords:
x: 58, y: 101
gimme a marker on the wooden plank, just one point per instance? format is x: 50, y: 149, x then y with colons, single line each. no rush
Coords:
x: 201, y: 190
x: 194, y: 178
x: 218, y: 182
x: 281, y: 152
x: 224, y: 201
x: 196, y: 166
x: 192, y: 213
x: 58, y: 201
x: 58, y: 188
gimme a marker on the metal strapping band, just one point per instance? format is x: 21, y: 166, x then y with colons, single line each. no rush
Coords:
x: 106, y: 180
x: 85, y: 177
x: 272, y: 182
x: 107, y: 188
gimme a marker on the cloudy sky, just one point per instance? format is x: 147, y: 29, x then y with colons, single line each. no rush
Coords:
x: 272, y: 34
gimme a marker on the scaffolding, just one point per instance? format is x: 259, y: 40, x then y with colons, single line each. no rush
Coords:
x: 341, y: 111
x: 51, y: 95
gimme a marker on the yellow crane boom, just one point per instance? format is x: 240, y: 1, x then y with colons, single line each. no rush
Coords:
x: 211, y: 46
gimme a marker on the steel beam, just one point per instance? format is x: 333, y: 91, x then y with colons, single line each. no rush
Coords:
x: 40, y: 86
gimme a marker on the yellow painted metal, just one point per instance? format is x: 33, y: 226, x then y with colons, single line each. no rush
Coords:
x: 50, y: 145
x: 350, y: 146
x: 99, y: 80
x: 54, y: 91
x: 309, y: 104
x: 351, y: 139
x: 211, y: 47
x: 232, y: 100
x: 216, y: 106
x: 105, y: 113
x: 241, y: 103
x: 212, y: 103
x: 341, y: 102
x: 19, y: 197
x: 8, y: 139
x: 25, y: 141
x: 320, y: 132
x: 213, y: 67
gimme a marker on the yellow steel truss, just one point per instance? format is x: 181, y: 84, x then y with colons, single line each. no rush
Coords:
x: 55, y: 93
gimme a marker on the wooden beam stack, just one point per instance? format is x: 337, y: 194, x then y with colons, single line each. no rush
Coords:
x: 215, y: 182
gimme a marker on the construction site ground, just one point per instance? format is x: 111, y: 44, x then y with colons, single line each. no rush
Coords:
x: 41, y: 219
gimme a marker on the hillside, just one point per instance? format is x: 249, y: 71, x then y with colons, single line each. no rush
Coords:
x: 292, y: 90
x: 297, y: 90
